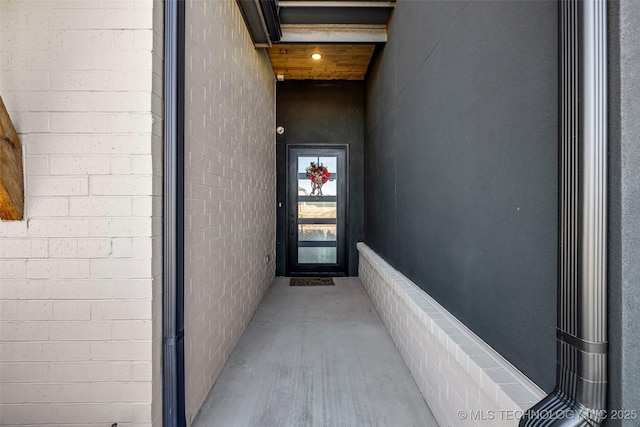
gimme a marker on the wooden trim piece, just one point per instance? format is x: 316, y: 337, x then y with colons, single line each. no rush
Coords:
x: 11, y: 175
x: 339, y: 3
x: 333, y: 34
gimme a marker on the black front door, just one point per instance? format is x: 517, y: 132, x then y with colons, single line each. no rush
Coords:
x: 317, y: 217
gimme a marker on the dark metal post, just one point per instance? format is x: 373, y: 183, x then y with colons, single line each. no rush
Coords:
x: 173, y: 217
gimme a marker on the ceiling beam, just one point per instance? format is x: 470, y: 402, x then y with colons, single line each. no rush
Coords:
x: 261, y: 19
x: 333, y: 34
x: 334, y: 3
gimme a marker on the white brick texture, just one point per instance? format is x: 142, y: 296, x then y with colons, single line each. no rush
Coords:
x: 80, y: 277
x: 463, y: 380
x: 230, y: 188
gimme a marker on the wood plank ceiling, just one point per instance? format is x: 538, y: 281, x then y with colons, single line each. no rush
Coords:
x: 338, y: 61
x: 344, y: 32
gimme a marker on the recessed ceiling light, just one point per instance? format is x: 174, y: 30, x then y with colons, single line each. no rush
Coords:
x: 316, y: 56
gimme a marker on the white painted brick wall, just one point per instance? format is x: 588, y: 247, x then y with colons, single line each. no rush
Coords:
x: 463, y: 380
x: 79, y: 277
x: 230, y: 190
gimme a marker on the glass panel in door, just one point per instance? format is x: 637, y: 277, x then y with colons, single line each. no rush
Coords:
x: 317, y: 210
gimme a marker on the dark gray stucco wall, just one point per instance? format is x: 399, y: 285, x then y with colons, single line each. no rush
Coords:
x: 461, y: 166
x: 324, y: 112
x: 624, y: 208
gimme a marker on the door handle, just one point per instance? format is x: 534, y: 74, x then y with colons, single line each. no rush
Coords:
x: 292, y: 231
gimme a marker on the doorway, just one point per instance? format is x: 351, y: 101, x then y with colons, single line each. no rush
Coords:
x: 317, y: 217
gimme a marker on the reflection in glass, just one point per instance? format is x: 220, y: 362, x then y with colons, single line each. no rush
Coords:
x: 317, y: 209
x: 317, y: 255
x: 317, y: 232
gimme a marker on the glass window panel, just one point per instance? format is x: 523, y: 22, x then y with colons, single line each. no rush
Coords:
x: 317, y: 255
x: 329, y: 188
x: 304, y: 185
x: 304, y: 162
x: 317, y: 232
x: 317, y: 209
x: 304, y: 188
x: 330, y: 163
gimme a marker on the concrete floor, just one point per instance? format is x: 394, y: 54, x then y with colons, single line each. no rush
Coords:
x: 315, y: 356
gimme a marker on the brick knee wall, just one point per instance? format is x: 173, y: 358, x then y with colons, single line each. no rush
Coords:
x: 463, y: 380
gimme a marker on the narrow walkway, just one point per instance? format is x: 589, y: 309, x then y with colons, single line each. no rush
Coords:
x: 315, y: 356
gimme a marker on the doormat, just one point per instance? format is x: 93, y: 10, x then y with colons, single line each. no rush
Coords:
x: 311, y: 281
